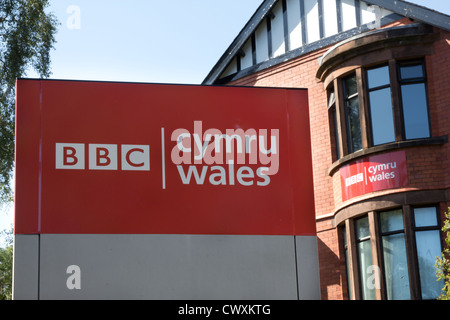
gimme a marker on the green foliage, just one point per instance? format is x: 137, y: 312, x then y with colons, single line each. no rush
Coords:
x: 443, y: 263
x: 6, y: 261
x: 26, y: 39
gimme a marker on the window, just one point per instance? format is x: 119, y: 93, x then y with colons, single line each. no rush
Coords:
x: 351, y: 104
x: 394, y: 255
x: 334, y: 124
x: 380, y: 105
x: 414, y: 100
x: 365, y: 258
x: 428, y: 248
x: 403, y: 243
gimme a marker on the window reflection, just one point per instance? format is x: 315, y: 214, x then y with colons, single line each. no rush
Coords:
x: 394, y: 255
x: 414, y: 100
x: 428, y: 248
x: 382, y: 118
x: 415, y: 111
x: 411, y: 71
x: 397, y: 257
x: 332, y: 108
x: 352, y: 114
x: 365, y: 259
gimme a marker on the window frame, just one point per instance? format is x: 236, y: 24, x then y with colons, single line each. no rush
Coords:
x: 358, y: 240
x: 363, y: 91
x: 400, y: 82
x: 414, y: 230
x: 334, y: 121
x: 367, y: 91
x: 408, y: 248
x: 345, y: 103
x: 409, y: 230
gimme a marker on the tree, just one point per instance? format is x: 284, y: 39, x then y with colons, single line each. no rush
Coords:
x: 26, y: 39
x: 443, y: 262
x: 6, y: 261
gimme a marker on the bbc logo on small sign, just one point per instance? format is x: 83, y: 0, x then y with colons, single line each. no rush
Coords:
x: 102, y: 157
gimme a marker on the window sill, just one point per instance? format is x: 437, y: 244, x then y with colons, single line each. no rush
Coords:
x: 385, y: 147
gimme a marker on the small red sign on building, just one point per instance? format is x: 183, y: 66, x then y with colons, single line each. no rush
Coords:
x: 375, y: 173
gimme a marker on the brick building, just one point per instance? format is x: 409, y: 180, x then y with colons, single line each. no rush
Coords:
x: 379, y: 104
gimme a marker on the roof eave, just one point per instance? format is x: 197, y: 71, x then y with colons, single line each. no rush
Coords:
x: 240, y: 40
x: 415, y: 12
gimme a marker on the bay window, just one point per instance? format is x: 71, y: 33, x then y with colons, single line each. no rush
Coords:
x: 403, y: 243
x: 379, y: 105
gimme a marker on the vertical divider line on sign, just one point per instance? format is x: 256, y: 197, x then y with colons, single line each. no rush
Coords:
x: 163, y: 160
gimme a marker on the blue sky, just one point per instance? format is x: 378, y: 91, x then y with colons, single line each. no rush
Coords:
x: 172, y: 41
x: 175, y: 41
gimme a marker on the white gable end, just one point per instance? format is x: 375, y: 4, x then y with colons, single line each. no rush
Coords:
x: 294, y: 24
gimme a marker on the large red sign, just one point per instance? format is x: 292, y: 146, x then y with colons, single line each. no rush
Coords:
x: 99, y: 157
x: 375, y: 173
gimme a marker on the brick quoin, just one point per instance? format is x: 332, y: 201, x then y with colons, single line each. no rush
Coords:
x: 428, y: 166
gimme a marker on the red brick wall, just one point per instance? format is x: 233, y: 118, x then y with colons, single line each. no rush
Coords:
x: 428, y: 167
x: 438, y: 71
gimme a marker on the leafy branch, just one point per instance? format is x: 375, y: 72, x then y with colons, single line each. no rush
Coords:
x: 443, y: 262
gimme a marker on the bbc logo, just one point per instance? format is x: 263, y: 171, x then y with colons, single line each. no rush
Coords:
x: 72, y: 156
x: 354, y: 179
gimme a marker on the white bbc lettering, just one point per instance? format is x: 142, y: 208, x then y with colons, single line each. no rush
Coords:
x: 135, y: 158
x: 354, y: 179
x: 103, y: 156
x: 70, y: 156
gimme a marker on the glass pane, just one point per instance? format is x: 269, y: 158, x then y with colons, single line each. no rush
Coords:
x: 331, y: 99
x: 428, y: 248
x: 391, y: 220
x: 396, y: 267
x: 378, y: 77
x: 381, y: 116
x: 425, y: 217
x: 415, y: 111
x: 336, y: 132
x: 354, y: 125
x: 351, y: 87
x: 362, y: 228
x: 411, y: 72
x: 366, y: 271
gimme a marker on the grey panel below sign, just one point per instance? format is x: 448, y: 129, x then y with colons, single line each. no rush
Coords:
x: 308, y: 268
x: 26, y: 267
x: 176, y: 267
